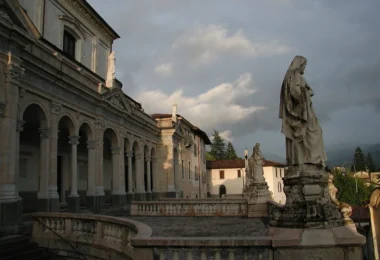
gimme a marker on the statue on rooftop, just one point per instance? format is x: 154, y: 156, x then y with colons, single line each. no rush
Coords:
x: 304, y: 140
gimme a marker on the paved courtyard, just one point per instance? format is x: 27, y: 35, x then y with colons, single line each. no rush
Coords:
x: 203, y: 226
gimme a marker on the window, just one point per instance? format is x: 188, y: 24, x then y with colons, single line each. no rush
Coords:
x: 221, y: 175
x: 279, y: 187
x: 195, y: 150
x: 196, y: 176
x: 239, y: 173
x: 69, y: 44
x: 189, y: 172
x: 276, y: 173
x: 183, y: 171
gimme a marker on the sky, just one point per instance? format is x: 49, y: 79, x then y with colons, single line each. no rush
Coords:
x: 223, y: 62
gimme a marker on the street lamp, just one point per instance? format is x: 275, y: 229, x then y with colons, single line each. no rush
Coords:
x: 356, y: 186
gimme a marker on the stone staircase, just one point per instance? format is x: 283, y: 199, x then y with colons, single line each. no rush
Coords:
x: 19, y: 247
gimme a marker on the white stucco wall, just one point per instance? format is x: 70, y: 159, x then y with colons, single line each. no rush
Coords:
x: 273, y: 182
x: 92, y: 48
x: 234, y: 184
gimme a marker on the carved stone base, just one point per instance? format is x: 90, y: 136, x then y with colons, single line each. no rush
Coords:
x: 257, y: 195
x: 308, y: 203
x: 332, y: 243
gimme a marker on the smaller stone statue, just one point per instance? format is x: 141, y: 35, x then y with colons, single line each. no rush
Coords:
x: 111, y: 67
x: 344, y: 208
x: 255, y: 165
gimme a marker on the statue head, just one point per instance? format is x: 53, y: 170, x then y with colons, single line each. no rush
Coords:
x: 256, y: 147
x: 298, y: 64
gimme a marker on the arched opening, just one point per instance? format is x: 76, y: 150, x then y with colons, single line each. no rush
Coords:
x: 65, y: 160
x: 152, y: 169
x: 222, y: 190
x: 110, y: 148
x: 84, y: 182
x: 128, y: 148
x: 135, y: 158
x: 146, y: 168
x: 31, y: 172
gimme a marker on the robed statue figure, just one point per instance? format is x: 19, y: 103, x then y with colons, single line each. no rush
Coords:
x: 255, y: 164
x: 304, y: 140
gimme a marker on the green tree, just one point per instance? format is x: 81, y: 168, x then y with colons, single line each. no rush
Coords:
x: 209, y: 157
x: 218, y: 147
x: 347, y: 189
x: 359, y: 160
x: 230, y: 152
x: 370, y: 164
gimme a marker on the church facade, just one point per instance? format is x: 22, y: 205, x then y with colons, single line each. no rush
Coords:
x: 69, y: 134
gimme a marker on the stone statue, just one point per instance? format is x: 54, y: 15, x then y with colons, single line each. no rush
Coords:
x: 304, y: 140
x: 111, y: 66
x: 255, y: 164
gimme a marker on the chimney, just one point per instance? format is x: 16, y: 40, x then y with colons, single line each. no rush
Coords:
x: 174, y: 113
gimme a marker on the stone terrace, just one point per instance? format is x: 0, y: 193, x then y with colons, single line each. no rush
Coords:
x: 203, y: 226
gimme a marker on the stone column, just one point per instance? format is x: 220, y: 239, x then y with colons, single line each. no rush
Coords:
x: 130, y: 194
x: 53, y: 195
x: 140, y: 191
x: 118, y: 185
x: 91, y: 169
x: 148, y: 186
x: 74, y: 199
x: 43, y: 195
x: 97, y: 201
x: 19, y: 129
x: 10, y: 202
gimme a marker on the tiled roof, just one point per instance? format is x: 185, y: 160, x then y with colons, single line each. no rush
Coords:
x: 225, y: 164
x: 238, y: 163
x: 272, y: 163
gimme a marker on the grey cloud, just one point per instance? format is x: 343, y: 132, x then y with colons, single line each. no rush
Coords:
x: 339, y: 38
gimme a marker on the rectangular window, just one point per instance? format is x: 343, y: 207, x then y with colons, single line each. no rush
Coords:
x: 221, y: 175
x: 239, y: 173
x: 69, y: 44
x: 276, y: 173
x: 195, y: 150
x: 189, y: 172
x: 196, y: 173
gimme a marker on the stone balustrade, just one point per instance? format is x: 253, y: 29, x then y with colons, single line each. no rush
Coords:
x: 185, y: 207
x: 90, y: 231
x: 203, y: 248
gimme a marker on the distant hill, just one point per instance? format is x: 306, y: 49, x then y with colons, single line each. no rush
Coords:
x: 336, y: 156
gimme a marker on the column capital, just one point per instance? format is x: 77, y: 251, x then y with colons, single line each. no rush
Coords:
x: 2, y: 109
x: 91, y: 144
x: 45, y: 132
x: 129, y: 154
x: 74, y: 139
x: 115, y: 150
x: 19, y: 126
x: 148, y: 158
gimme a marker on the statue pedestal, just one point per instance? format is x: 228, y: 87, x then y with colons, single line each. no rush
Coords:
x: 332, y: 243
x: 308, y: 203
x: 257, y: 195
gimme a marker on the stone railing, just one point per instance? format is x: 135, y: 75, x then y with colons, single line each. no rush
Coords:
x: 89, y: 231
x: 203, y: 248
x: 185, y: 207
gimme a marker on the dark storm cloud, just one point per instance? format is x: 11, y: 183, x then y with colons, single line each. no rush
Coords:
x: 339, y: 38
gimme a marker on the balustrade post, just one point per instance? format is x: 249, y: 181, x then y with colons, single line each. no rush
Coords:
x: 231, y: 254
x: 68, y: 226
x: 162, y: 254
x: 189, y: 254
x: 203, y: 254
x: 99, y: 230
x: 175, y: 254
x: 217, y: 254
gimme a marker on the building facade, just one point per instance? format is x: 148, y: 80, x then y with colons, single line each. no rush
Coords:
x: 69, y: 135
x: 181, y: 154
x: 228, y: 177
